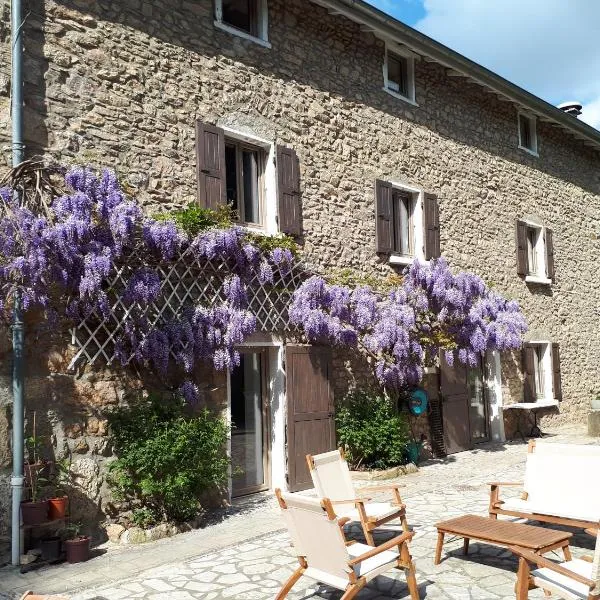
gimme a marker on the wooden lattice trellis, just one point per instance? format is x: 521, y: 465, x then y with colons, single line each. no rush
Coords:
x: 186, y: 282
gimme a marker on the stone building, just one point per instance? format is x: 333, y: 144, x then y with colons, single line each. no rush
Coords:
x: 370, y: 142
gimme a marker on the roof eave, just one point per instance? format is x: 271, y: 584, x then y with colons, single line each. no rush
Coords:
x: 386, y: 26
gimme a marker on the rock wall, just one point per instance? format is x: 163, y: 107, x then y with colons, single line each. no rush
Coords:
x: 122, y: 84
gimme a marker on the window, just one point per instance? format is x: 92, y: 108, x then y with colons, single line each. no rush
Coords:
x: 527, y: 133
x: 541, y: 363
x: 407, y: 224
x: 244, y: 181
x: 403, y: 206
x: 535, y: 252
x: 247, y: 18
x: 398, y: 74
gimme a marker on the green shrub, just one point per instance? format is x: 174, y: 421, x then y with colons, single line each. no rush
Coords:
x: 371, y: 431
x: 193, y: 218
x: 166, y: 458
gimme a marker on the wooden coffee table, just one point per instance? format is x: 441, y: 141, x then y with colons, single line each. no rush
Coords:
x: 502, y: 533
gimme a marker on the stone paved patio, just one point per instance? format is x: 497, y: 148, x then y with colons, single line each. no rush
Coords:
x: 253, y: 568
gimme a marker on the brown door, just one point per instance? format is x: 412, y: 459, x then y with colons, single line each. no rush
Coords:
x: 310, y: 424
x: 454, y: 392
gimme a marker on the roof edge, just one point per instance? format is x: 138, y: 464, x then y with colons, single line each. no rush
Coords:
x: 378, y: 21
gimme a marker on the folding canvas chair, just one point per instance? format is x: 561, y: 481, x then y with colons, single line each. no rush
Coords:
x: 325, y: 556
x: 577, y: 579
x: 331, y: 477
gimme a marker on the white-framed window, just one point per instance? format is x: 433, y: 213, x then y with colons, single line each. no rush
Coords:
x: 535, y: 252
x: 542, y: 371
x: 247, y: 18
x: 407, y: 219
x: 250, y: 180
x: 399, y: 73
x: 528, y: 133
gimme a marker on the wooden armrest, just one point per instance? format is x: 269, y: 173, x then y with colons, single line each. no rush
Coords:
x: 497, y: 483
x: 343, y: 520
x: 396, y: 541
x: 351, y: 500
x: 382, y: 488
x: 587, y: 557
x: 543, y: 562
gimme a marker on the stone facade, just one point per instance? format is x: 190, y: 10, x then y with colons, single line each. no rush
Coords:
x: 122, y: 84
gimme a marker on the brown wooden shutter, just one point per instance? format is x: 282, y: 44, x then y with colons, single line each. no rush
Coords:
x: 432, y: 226
x: 521, y: 237
x: 556, y: 377
x: 528, y: 355
x: 210, y: 165
x: 549, y: 254
x: 384, y: 217
x: 289, y: 205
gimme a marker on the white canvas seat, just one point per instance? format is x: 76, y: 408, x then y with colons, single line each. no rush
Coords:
x: 574, y: 579
x: 559, y: 487
x: 325, y: 556
x: 331, y: 478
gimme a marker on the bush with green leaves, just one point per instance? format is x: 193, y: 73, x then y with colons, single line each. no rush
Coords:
x: 167, y: 457
x: 372, y: 432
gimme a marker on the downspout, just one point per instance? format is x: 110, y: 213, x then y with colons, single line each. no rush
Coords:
x: 18, y: 151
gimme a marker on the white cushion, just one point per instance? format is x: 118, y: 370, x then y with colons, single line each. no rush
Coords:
x: 553, y: 507
x: 564, y: 586
x: 371, y: 567
x: 378, y: 510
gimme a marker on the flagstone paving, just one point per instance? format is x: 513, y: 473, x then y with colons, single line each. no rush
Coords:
x: 255, y: 568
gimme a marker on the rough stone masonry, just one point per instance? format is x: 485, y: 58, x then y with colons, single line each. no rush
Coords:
x: 122, y: 83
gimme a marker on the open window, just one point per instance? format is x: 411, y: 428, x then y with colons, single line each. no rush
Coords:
x: 535, y: 252
x: 528, y: 133
x: 399, y: 74
x: 541, y: 368
x: 407, y: 223
x: 248, y: 18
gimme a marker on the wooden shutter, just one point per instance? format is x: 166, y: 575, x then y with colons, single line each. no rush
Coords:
x: 288, y: 191
x: 210, y: 165
x: 521, y: 237
x: 432, y: 226
x: 556, y: 377
x: 549, y: 254
x: 528, y: 355
x: 384, y: 217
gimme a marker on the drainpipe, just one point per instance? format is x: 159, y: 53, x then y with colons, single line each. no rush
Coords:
x: 18, y: 151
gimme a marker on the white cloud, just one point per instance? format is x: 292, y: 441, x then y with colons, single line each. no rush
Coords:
x: 548, y: 47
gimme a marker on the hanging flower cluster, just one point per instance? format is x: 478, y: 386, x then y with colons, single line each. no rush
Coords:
x: 62, y: 262
x: 432, y: 310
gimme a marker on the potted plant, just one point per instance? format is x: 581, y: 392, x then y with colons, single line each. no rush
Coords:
x: 35, y: 511
x: 50, y: 547
x: 77, y: 546
x: 57, y: 504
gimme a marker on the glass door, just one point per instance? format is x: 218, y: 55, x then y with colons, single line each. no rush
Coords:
x: 478, y: 409
x: 249, y: 439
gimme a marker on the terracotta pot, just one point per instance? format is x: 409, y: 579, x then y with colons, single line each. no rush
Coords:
x: 32, y: 596
x: 50, y: 548
x: 57, y: 507
x: 78, y: 549
x: 34, y: 513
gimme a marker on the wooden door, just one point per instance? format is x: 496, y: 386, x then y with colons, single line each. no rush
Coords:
x: 454, y: 392
x: 310, y: 424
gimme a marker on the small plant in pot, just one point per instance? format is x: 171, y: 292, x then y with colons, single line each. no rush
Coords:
x: 77, y: 546
x: 57, y: 504
x: 35, y: 511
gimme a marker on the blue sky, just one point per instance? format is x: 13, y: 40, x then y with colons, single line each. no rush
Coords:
x: 548, y: 47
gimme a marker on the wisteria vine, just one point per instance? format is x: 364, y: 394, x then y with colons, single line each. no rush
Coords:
x: 431, y: 310
x: 59, y: 261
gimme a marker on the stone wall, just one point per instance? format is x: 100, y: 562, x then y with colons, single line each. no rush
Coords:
x: 122, y: 83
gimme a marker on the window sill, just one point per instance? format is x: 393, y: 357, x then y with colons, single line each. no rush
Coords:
x: 399, y: 96
x: 395, y: 259
x: 529, y: 151
x: 243, y: 34
x: 538, y: 279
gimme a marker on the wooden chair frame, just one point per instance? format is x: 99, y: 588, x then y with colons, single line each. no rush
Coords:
x: 525, y: 581
x: 355, y: 584
x: 495, y: 504
x: 369, y: 524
